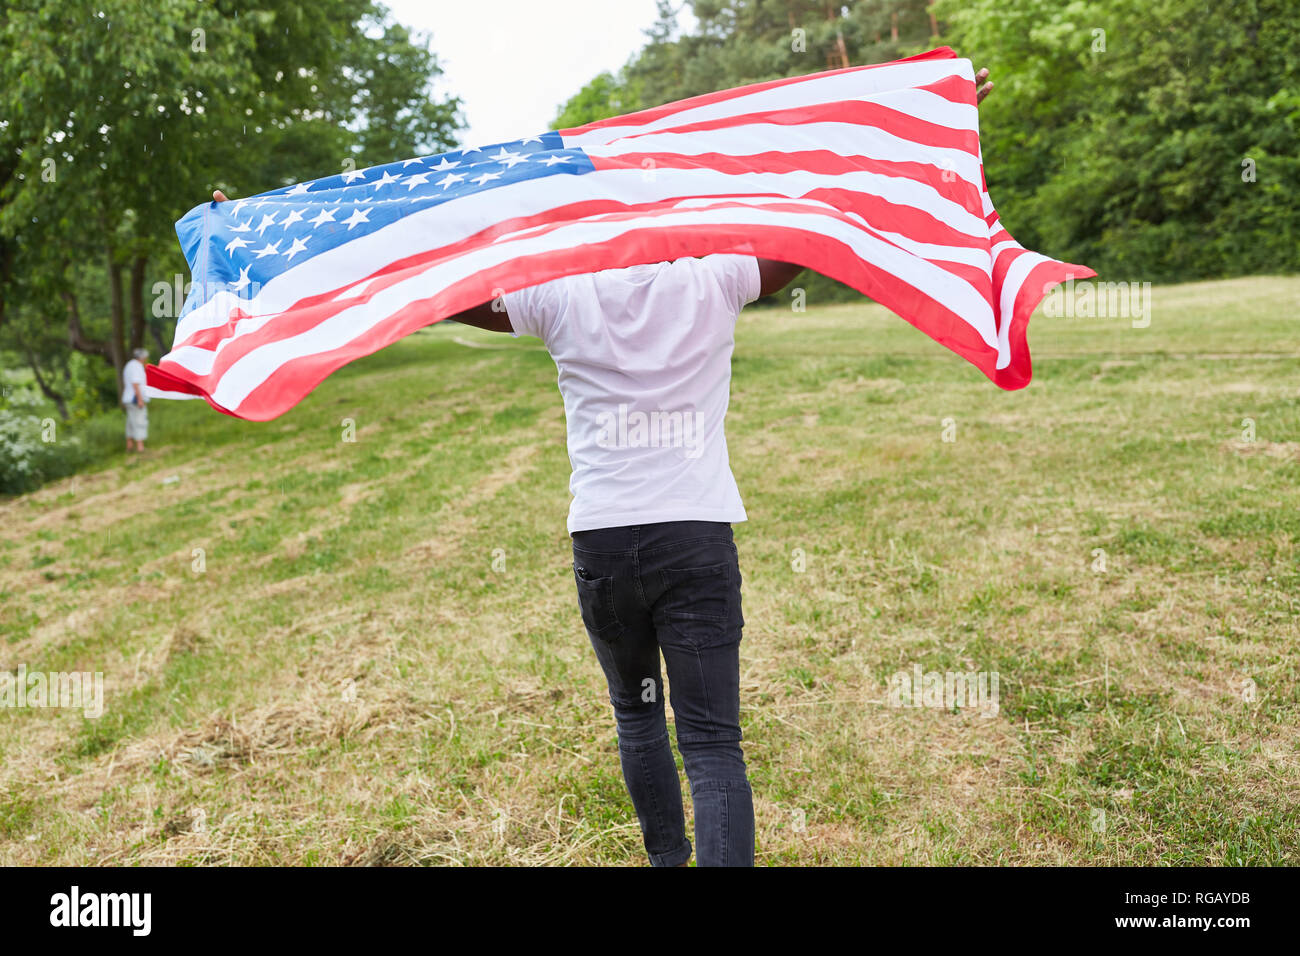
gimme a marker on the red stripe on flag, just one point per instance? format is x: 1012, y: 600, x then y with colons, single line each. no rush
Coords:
x: 1040, y: 280
x: 659, y: 112
x: 822, y: 162
x: 848, y: 112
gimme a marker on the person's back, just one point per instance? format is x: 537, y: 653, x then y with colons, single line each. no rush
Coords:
x: 644, y: 361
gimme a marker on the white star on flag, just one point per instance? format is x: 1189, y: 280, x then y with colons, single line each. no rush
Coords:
x: 510, y: 159
x: 358, y: 216
x: 325, y: 215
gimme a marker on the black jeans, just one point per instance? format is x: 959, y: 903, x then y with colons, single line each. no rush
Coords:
x: 673, y: 587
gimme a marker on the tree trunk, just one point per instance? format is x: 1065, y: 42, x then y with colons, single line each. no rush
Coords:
x: 77, y: 334
x: 6, y: 258
x: 832, y: 60
x: 46, y: 389
x: 8, y: 250
x: 137, y: 302
x: 156, y: 331
x: 117, y: 314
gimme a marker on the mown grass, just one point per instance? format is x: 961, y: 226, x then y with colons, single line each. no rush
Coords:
x: 320, y: 652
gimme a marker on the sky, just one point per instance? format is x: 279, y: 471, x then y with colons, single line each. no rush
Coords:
x: 513, y: 62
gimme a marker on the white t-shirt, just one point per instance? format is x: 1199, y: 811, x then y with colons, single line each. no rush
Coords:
x: 132, y: 373
x: 644, y: 361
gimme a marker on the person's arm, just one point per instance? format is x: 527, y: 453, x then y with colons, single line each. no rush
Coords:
x: 776, y: 275
x: 484, y: 317
x: 139, y: 393
x: 481, y: 316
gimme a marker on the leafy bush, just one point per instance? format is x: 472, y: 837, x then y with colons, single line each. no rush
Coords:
x: 32, y: 451
x: 36, y: 445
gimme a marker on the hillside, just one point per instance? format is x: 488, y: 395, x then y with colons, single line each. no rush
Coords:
x: 320, y: 651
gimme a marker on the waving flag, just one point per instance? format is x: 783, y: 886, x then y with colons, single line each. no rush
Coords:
x: 871, y: 175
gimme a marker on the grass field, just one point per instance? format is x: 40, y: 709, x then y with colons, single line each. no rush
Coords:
x: 375, y: 654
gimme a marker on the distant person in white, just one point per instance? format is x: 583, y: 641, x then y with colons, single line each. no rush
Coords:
x: 135, y: 401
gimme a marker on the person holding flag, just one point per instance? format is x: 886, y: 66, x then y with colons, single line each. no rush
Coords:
x: 643, y: 355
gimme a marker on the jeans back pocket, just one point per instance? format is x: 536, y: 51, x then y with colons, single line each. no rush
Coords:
x: 698, y: 594
x: 702, y: 604
x: 596, y: 601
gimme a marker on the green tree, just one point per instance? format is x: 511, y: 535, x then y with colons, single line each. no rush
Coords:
x: 1151, y: 139
x: 116, y: 117
x: 605, y: 96
x: 1156, y: 140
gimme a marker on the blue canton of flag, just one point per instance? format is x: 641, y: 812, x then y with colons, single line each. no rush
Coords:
x: 285, y: 227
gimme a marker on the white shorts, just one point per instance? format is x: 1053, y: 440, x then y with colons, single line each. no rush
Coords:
x: 137, y: 422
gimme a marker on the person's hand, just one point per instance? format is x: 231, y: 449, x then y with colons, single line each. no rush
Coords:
x: 980, y: 91
x: 219, y: 196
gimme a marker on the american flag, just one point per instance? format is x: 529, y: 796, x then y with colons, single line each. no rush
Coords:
x: 871, y: 175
